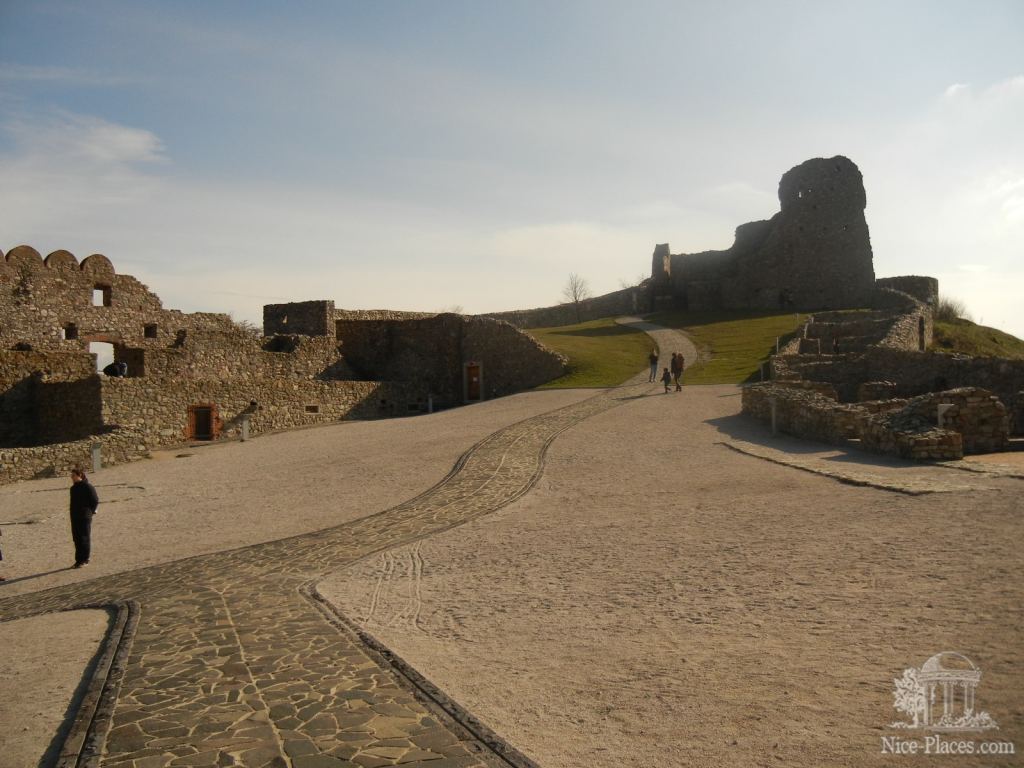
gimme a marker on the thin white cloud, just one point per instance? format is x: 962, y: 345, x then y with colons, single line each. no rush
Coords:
x: 28, y: 73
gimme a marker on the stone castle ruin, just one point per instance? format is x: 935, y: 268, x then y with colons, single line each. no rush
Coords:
x: 200, y: 376
x: 814, y: 254
x: 848, y: 376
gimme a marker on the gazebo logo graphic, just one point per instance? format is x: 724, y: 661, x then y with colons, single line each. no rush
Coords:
x: 940, y: 696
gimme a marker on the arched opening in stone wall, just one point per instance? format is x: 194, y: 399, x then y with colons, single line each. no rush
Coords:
x: 104, y: 352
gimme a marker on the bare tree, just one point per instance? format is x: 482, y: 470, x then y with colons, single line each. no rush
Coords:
x: 575, y: 291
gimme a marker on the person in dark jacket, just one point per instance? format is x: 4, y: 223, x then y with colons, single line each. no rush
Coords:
x: 83, y: 506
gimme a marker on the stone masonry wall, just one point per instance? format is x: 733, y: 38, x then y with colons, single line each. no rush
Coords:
x: 976, y: 422
x: 159, y: 409
x: 914, y: 373
x: 43, y: 302
x: 924, y: 289
x: 433, y: 351
x: 309, y: 318
x: 20, y: 374
x: 628, y: 301
x: 512, y: 361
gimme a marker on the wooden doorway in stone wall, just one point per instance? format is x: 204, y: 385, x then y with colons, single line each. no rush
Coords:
x: 473, y: 382
x: 203, y: 423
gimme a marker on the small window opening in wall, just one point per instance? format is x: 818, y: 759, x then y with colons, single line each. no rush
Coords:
x: 312, y: 409
x: 149, y: 330
x: 69, y: 332
x: 101, y: 295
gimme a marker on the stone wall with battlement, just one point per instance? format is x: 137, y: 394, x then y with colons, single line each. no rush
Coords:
x: 58, y: 303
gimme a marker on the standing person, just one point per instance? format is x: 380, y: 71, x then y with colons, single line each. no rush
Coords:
x: 681, y: 365
x: 677, y: 368
x: 83, y: 506
x: 653, y: 359
x: 666, y: 379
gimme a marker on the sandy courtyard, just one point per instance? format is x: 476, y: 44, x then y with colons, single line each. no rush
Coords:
x: 660, y: 600
x: 656, y: 599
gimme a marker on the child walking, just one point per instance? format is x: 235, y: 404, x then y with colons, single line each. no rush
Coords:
x: 666, y: 379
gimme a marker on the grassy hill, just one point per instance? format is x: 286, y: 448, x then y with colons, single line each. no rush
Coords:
x: 601, y: 353
x: 732, y: 344
x: 967, y: 338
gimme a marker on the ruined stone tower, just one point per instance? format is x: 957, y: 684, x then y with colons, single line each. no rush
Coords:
x: 814, y: 254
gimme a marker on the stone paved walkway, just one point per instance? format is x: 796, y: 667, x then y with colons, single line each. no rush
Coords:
x: 228, y: 659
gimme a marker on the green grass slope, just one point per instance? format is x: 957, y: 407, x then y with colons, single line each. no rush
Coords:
x: 601, y: 353
x: 967, y: 338
x: 733, y: 344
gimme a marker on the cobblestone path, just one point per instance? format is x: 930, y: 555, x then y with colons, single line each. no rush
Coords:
x: 228, y: 659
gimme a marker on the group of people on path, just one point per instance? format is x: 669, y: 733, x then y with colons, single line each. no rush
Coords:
x: 84, y: 501
x: 674, y: 373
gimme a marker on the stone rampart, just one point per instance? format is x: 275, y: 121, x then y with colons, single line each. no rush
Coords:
x: 628, y: 301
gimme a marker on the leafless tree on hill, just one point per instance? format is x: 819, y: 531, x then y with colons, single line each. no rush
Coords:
x: 575, y: 291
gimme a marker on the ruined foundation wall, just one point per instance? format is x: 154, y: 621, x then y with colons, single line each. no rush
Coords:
x: 914, y: 373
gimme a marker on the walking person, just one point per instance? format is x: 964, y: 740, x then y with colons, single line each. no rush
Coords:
x: 678, y: 364
x: 653, y: 359
x: 666, y: 379
x: 84, y: 502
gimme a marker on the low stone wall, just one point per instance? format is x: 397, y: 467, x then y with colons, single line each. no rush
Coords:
x: 911, y: 332
x: 910, y: 438
x: 141, y: 415
x: 915, y: 373
x: 924, y: 289
x: 876, y: 390
x: 976, y: 422
x: 975, y: 413
x: 159, y: 409
x: 628, y: 301
x: 33, y: 462
x: 803, y: 412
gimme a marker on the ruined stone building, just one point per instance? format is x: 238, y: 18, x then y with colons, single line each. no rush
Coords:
x: 200, y: 376
x: 815, y: 253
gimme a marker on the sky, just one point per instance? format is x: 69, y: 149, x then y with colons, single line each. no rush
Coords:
x: 434, y: 155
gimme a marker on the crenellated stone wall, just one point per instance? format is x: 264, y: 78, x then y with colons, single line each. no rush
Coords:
x: 61, y: 304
